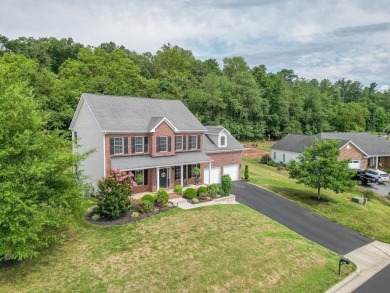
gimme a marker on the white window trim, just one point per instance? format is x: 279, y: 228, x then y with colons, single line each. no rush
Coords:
x: 181, y: 142
x: 166, y: 143
x: 117, y: 145
x: 192, y: 140
x: 142, y: 172
x: 220, y: 140
x: 142, y: 144
x: 177, y: 169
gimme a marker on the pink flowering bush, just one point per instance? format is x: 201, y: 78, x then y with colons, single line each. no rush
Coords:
x: 114, y: 194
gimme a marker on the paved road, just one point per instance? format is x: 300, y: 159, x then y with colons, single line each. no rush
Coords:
x: 382, y: 189
x: 378, y: 283
x: 306, y: 223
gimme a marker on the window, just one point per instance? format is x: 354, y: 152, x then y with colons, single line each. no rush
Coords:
x: 163, y: 143
x: 192, y: 170
x: 193, y: 142
x: 284, y: 158
x: 373, y: 161
x: 177, y: 172
x: 118, y: 145
x: 223, y: 140
x: 274, y: 156
x: 179, y: 143
x: 139, y: 144
x: 75, y: 137
x: 137, y: 175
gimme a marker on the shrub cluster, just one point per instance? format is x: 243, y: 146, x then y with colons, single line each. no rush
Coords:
x: 162, y: 197
x: 178, y: 189
x: 148, y: 197
x: 226, y: 185
x: 146, y: 206
x: 369, y: 194
x: 190, y: 193
x: 213, y: 190
x: 265, y: 159
x: 202, y: 192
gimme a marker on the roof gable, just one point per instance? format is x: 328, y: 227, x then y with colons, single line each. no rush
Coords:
x: 129, y: 114
x: 156, y: 122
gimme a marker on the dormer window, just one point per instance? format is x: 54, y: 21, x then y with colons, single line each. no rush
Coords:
x: 223, y: 140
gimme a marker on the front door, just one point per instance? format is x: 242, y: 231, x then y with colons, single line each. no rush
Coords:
x: 164, y: 177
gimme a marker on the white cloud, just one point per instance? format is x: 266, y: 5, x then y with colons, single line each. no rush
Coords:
x: 317, y: 39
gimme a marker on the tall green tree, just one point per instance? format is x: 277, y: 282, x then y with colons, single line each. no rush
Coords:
x: 38, y: 190
x: 318, y: 167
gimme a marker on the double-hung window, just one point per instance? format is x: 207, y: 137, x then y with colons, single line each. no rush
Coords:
x: 223, y: 141
x: 139, y: 174
x: 179, y: 142
x: 139, y: 144
x: 163, y: 144
x: 118, y: 145
x: 193, y: 142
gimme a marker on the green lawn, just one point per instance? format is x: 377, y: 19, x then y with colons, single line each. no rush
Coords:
x: 225, y: 248
x: 371, y: 220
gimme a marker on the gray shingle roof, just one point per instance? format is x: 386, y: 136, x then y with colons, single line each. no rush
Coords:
x: 293, y: 143
x: 370, y: 144
x: 146, y: 161
x: 211, y: 142
x: 129, y: 114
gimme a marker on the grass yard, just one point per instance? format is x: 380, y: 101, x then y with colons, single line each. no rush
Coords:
x: 222, y: 248
x: 371, y: 220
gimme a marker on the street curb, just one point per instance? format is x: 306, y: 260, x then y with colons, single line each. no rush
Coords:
x: 344, y: 282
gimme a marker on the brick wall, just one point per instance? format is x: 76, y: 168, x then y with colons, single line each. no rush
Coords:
x: 222, y: 159
x: 162, y: 130
x: 350, y: 152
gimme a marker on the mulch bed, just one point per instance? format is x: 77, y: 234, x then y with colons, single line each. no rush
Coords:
x: 125, y: 218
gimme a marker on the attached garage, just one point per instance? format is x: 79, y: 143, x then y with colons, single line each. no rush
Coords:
x: 232, y: 171
x: 215, y: 175
x: 355, y: 164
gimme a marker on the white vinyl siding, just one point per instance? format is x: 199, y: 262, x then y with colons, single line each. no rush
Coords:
x: 283, y: 156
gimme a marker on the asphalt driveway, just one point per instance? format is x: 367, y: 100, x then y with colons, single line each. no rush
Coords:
x: 306, y: 223
x: 382, y: 189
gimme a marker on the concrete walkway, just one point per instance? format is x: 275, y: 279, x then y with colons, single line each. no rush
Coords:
x: 370, y: 260
x: 185, y: 205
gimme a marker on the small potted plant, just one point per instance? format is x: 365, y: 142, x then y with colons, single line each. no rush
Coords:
x: 196, y: 172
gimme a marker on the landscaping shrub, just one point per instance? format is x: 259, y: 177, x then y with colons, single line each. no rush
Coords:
x: 190, y: 193
x: 95, y: 217
x: 135, y: 215
x: 202, y: 191
x: 145, y: 206
x: 246, y: 173
x: 226, y: 185
x: 370, y: 195
x: 208, y: 198
x: 195, y: 200
x: 265, y: 159
x: 178, y: 189
x: 162, y: 197
x: 148, y: 197
x: 114, y: 194
x: 272, y: 163
x: 213, y: 190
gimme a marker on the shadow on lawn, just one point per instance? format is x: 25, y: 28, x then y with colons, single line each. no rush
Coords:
x: 304, y: 196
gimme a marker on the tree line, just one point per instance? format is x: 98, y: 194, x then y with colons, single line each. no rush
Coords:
x: 251, y: 103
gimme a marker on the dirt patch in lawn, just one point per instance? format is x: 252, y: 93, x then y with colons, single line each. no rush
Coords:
x: 125, y: 218
x: 253, y: 153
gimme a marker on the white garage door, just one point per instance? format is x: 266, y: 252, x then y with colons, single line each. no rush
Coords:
x: 215, y: 175
x: 355, y: 164
x: 232, y: 170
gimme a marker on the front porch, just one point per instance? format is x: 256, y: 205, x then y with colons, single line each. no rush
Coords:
x: 170, y: 191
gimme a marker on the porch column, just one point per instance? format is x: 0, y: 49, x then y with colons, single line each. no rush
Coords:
x: 376, y: 162
x: 209, y: 172
x: 181, y: 176
x: 158, y: 178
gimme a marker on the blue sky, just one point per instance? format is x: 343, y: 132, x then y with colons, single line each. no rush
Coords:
x: 317, y: 39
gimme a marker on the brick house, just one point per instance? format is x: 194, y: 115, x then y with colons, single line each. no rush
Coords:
x: 159, y: 139
x: 363, y: 149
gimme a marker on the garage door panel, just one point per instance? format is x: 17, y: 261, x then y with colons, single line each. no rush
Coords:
x: 355, y: 164
x: 232, y: 171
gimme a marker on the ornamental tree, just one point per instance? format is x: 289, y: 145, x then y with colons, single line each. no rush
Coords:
x: 318, y: 167
x: 114, y: 194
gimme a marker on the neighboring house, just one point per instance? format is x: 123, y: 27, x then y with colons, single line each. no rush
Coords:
x: 363, y: 149
x: 159, y: 139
